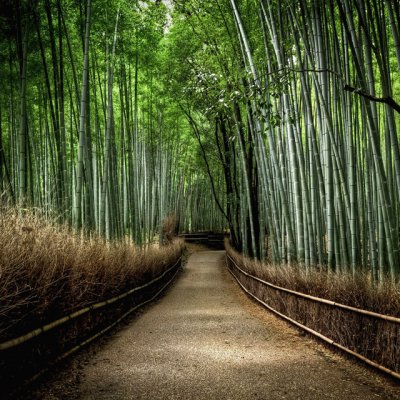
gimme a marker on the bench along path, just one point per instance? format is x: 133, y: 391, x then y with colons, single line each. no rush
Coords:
x: 206, y: 340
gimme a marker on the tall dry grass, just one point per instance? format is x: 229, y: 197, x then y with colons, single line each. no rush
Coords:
x: 47, y: 271
x: 375, y: 339
x: 169, y: 228
x: 339, y: 287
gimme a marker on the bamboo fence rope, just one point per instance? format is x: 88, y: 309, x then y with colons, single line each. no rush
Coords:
x: 318, y: 299
x: 102, y: 332
x: 38, y: 331
x: 388, y: 371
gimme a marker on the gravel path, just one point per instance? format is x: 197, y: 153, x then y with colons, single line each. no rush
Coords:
x: 206, y: 340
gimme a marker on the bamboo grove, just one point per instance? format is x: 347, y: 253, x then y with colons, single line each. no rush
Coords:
x: 300, y: 99
x: 86, y: 134
x: 277, y: 120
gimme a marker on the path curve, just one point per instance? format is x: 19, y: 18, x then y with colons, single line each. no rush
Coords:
x: 206, y: 340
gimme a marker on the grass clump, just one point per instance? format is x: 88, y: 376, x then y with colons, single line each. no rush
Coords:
x: 169, y: 229
x: 319, y: 282
x: 374, y: 338
x: 47, y: 271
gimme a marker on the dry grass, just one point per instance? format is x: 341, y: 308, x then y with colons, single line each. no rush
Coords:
x: 341, y: 288
x: 46, y: 271
x: 169, y: 228
x: 373, y: 338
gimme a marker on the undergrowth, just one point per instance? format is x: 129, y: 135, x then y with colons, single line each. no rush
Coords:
x: 339, y: 287
x: 374, y: 338
x: 169, y: 229
x: 47, y: 271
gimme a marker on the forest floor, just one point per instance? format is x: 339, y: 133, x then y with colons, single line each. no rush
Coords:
x: 206, y: 340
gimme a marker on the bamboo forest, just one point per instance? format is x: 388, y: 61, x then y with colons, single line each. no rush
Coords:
x: 128, y: 125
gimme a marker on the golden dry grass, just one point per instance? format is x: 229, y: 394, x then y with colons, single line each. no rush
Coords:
x: 339, y: 287
x: 169, y: 228
x: 373, y: 338
x: 47, y: 271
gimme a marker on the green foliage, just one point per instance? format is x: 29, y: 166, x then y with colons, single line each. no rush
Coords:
x: 239, y: 101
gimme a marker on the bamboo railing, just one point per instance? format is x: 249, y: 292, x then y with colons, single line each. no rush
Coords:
x: 60, y: 321
x: 231, y: 262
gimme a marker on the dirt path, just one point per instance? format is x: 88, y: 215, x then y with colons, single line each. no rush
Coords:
x: 206, y: 340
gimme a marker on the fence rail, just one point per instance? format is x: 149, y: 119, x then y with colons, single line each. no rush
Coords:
x: 103, y: 331
x: 210, y: 239
x: 15, y: 378
x: 318, y: 300
x: 60, y: 321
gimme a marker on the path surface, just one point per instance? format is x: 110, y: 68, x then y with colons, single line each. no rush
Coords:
x: 206, y: 340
